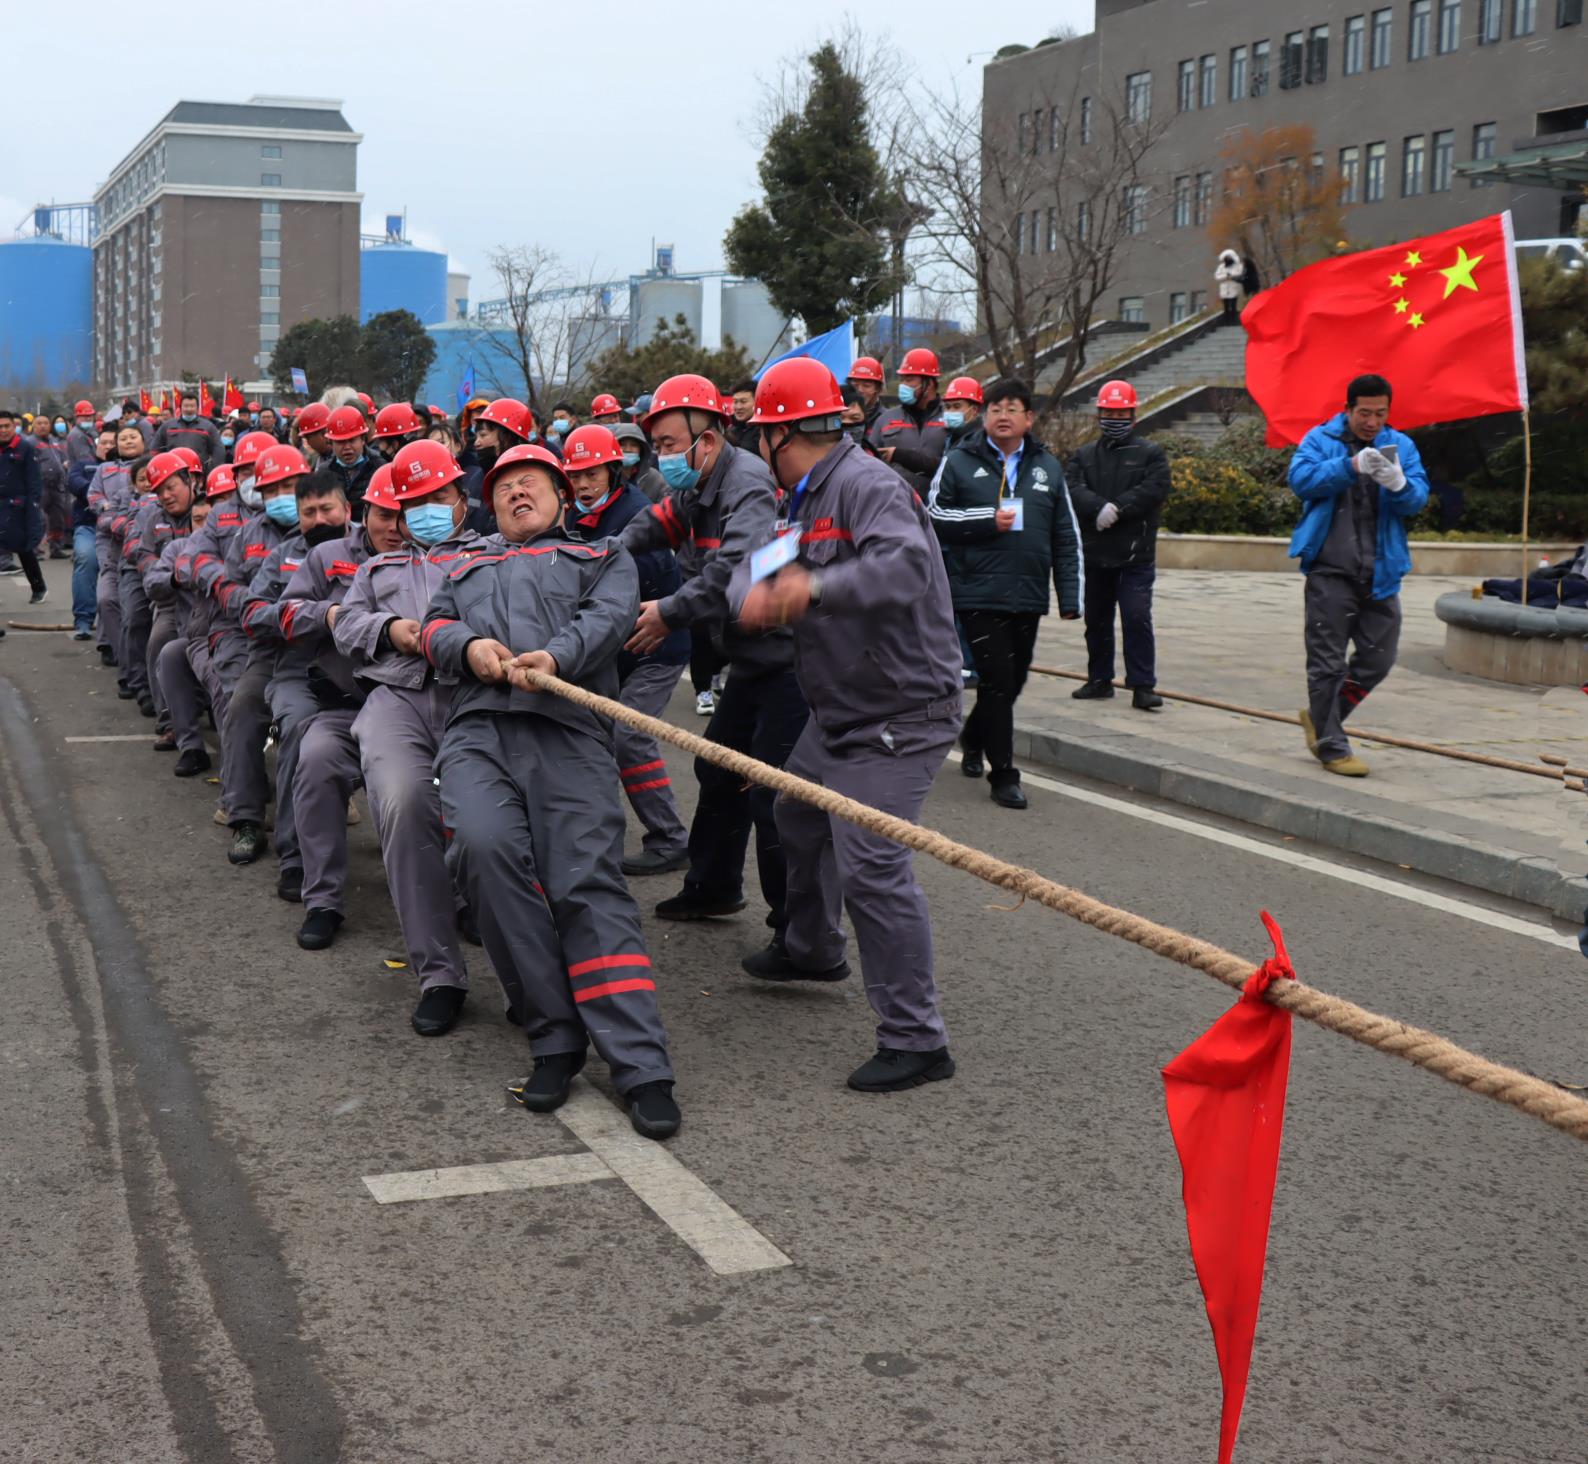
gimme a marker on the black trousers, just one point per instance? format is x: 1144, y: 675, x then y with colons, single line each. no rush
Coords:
x: 30, y: 567
x: 1002, y: 645
x: 762, y: 716
x: 1129, y: 589
x: 705, y: 660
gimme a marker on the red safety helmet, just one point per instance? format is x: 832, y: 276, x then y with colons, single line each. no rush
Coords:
x: 436, y: 412
x: 83, y: 409
x: 963, y: 389
x: 866, y: 368
x: 313, y: 418
x: 220, y: 481
x: 421, y: 468
x: 689, y: 393
x: 378, y: 490
x: 192, y: 460
x: 162, y: 465
x: 590, y: 447
x: 278, y: 463
x: 368, y: 400
x: 248, y: 448
x: 398, y: 420
x: 528, y: 452
x: 793, y: 390
x: 919, y: 362
x: 605, y: 405
x: 511, y: 415
x: 251, y: 407
x: 1117, y: 394
x: 346, y: 423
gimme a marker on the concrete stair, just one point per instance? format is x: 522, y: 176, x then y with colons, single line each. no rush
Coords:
x: 1205, y: 427
x: 1217, y: 358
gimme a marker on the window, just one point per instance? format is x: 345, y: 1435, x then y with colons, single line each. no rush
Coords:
x: 1260, y: 50
x: 1036, y: 230
x: 1036, y: 130
x: 1135, y: 208
x: 1489, y: 21
x: 1133, y: 309
x: 270, y: 317
x: 1378, y: 56
x: 270, y: 292
x: 1568, y: 12
x: 1021, y: 131
x: 1185, y: 97
x: 270, y: 180
x: 1354, y: 56
x: 269, y: 151
x: 1083, y: 221
x: 1418, y: 25
x: 267, y: 236
x: 1373, y: 181
x: 1414, y: 157
x: 1483, y: 139
x: 1318, y: 54
x: 1208, y: 74
x: 1053, y: 129
x: 1524, y: 17
x: 1138, y: 96
x: 1182, y: 201
x: 1444, y: 162
x: 1053, y: 229
x: 1449, y: 26
x: 1199, y: 301
x: 269, y: 206
x: 1291, y: 57
x: 1179, y: 309
x: 1204, y: 205
x: 1086, y: 119
x: 1237, y: 73
x: 1350, y: 175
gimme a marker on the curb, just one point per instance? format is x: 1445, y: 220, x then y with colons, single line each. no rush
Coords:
x: 1530, y: 879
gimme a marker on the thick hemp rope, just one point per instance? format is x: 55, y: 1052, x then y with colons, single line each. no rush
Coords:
x: 1428, y: 1050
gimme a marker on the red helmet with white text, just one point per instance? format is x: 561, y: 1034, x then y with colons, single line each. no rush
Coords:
x: 1117, y: 394
x: 378, y: 490
x: 421, y: 468
x: 511, y: 415
x: 248, y: 448
x: 398, y: 420
x: 161, y: 466
x: 963, y: 389
x: 278, y: 463
x: 346, y: 423
x: 313, y: 418
x: 220, y: 481
x: 605, y: 405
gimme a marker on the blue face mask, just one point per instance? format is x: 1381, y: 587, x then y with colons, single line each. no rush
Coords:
x: 430, y: 523
x: 675, y: 468
x: 60, y: 429
x: 558, y: 426
x: 254, y: 418
x: 189, y: 417
x: 228, y: 438
x: 283, y: 510
x: 598, y: 505
x: 534, y: 437
x: 953, y: 420
x: 906, y: 394
x: 631, y: 460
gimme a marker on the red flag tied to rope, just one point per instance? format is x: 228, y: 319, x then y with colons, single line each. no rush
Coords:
x: 1226, y: 1099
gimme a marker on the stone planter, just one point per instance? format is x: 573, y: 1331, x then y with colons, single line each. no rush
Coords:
x: 1249, y: 552
x: 1522, y: 644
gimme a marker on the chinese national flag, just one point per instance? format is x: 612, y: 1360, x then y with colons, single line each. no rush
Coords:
x: 232, y: 399
x: 165, y: 402
x: 206, y: 401
x: 144, y: 404
x: 1440, y: 317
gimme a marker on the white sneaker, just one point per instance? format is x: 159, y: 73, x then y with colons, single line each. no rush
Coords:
x: 705, y: 704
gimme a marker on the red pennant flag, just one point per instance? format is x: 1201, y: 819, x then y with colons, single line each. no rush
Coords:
x: 1440, y: 316
x: 1226, y: 1099
x: 165, y: 402
x: 232, y: 400
x: 206, y: 401
x: 144, y: 404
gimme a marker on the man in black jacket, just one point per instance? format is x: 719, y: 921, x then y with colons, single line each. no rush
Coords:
x: 1118, y: 483
x: 188, y: 429
x: 1004, y: 519
x: 911, y: 437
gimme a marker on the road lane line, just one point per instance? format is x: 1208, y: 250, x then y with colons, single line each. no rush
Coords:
x: 705, y: 1222
x: 486, y: 1179
x: 1510, y: 924
x: 118, y: 737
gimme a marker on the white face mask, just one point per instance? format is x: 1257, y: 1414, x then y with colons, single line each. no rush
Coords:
x: 247, y: 494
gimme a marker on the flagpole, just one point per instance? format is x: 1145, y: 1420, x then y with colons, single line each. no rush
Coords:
x: 1527, y: 489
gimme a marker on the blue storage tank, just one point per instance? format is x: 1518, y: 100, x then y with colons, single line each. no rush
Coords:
x: 46, y: 314
x: 400, y: 277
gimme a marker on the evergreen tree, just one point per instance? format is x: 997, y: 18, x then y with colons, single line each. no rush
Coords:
x: 395, y: 352
x: 328, y: 350
x: 626, y: 372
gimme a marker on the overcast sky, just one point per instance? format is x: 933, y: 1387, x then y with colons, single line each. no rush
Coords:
x: 589, y: 129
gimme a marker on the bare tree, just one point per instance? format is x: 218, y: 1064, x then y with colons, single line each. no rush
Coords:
x: 1031, y: 223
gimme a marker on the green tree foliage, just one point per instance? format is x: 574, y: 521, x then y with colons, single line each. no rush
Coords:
x: 327, y: 350
x: 671, y: 351
x: 819, y: 239
x: 395, y: 353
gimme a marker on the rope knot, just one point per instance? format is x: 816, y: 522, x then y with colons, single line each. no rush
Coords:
x: 1276, y: 967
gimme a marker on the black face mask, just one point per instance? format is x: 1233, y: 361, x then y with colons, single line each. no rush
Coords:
x: 324, y: 533
x: 487, y: 456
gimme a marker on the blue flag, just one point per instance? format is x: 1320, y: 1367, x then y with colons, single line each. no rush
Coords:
x: 300, y: 381
x: 466, y: 386
x: 835, y: 349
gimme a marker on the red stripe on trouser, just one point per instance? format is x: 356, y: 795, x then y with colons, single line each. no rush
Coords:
x: 645, y: 787
x: 615, y: 988
x: 1353, y: 695
x: 649, y: 767
x: 606, y: 963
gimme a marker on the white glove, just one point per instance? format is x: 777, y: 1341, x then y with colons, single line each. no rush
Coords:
x: 1369, y: 462
x: 1108, y: 516
x: 1392, y: 479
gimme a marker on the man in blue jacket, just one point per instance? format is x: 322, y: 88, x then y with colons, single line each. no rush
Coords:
x: 1360, y: 480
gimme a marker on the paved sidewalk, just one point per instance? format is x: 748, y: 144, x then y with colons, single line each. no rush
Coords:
x: 1237, y: 637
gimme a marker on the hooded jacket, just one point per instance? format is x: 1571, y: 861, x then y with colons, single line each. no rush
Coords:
x: 645, y: 477
x: 658, y: 570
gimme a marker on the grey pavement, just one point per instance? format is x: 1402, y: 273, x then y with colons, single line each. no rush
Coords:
x: 1237, y: 637
x: 993, y: 1268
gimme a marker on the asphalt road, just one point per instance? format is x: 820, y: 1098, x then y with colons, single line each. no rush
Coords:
x: 993, y: 1268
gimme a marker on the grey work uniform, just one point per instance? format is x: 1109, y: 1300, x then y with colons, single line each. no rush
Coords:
x: 530, y: 795
x: 109, y: 494
x: 179, y: 686
x: 399, y: 733
x: 137, y: 618
x: 918, y: 436
x: 199, y: 565
x: 154, y: 531
x: 879, y: 661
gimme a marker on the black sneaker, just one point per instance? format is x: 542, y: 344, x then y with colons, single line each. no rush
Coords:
x: 773, y: 963
x: 248, y: 843
x: 1145, y: 699
x: 289, y: 886
x: 691, y: 903
x: 973, y: 765
x: 125, y: 692
x: 892, y: 1070
x: 654, y: 861
x: 107, y: 657
x: 319, y: 929
x: 1093, y: 691
x: 146, y: 705
x: 191, y: 763
x: 438, y: 1010
x: 1009, y: 795
x: 547, y: 1087
x: 37, y: 597
x: 652, y: 1110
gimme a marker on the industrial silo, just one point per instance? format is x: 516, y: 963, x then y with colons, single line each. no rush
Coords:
x: 754, y: 322
x: 400, y: 277
x: 662, y: 298
x: 46, y: 314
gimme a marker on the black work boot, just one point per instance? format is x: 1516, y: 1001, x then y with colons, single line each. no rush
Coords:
x: 1007, y: 792
x: 438, y: 1010
x: 973, y: 765
x: 319, y: 929
x: 1093, y: 691
x: 892, y: 1070
x: 289, y: 886
x: 107, y: 657
x: 655, y: 861
x: 1145, y: 699
x: 652, y: 1110
x: 773, y: 963
x: 146, y: 705
x: 191, y: 763
x: 248, y: 843
x: 546, y: 1088
x: 694, y: 903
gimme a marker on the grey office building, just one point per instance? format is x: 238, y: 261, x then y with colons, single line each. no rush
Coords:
x: 1403, y: 99
x: 227, y: 223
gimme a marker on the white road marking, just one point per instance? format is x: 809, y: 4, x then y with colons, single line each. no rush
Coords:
x: 119, y: 737
x: 486, y: 1179
x: 1510, y: 924
x: 712, y: 1228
